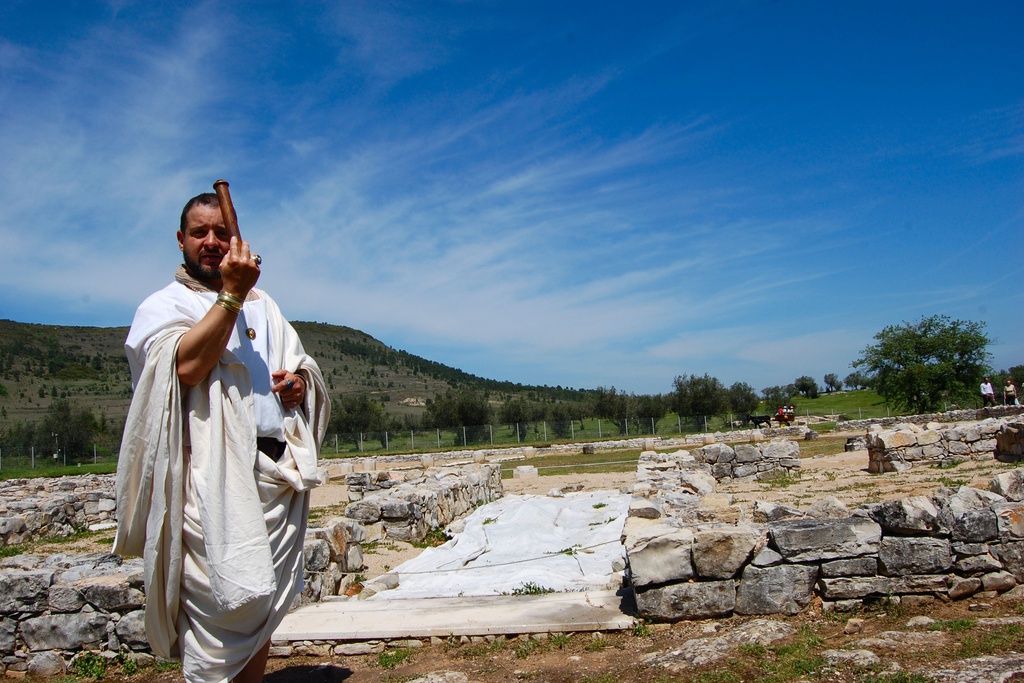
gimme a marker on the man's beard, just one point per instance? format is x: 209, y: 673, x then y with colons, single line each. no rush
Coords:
x: 199, y: 271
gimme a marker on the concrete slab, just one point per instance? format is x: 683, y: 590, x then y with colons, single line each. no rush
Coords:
x: 466, y: 616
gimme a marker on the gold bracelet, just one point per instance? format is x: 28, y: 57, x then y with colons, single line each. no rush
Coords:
x: 224, y: 304
x: 230, y: 297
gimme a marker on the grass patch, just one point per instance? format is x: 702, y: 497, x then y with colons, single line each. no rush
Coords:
x: 953, y: 625
x: 318, y: 516
x: 530, y: 588
x: 780, y: 482
x: 89, y: 665
x: 893, y: 677
x: 389, y: 659
x: 600, y: 678
x: 580, y: 463
x: 1001, y: 639
x: 434, y: 538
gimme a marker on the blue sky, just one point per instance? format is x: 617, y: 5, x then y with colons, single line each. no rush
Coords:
x: 561, y: 193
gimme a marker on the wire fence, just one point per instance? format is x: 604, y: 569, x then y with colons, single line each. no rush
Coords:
x: 46, y: 456
x: 516, y: 434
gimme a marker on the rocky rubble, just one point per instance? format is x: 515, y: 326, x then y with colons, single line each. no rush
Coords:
x: 60, y: 506
x: 689, y: 560
x: 908, y: 444
x: 403, y: 507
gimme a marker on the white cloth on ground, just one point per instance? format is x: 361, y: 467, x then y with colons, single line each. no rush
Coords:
x: 518, y: 543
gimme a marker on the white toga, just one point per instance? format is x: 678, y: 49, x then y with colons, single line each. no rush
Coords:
x: 220, y: 525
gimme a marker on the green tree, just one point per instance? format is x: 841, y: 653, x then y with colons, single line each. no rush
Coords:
x: 742, y: 399
x: 777, y: 396
x: 832, y: 382
x: 462, y: 407
x: 918, y: 366
x: 698, y: 396
x: 71, y: 427
x: 359, y: 414
x: 857, y: 380
x: 806, y: 386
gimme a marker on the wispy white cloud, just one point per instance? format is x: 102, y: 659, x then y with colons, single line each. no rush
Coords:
x: 522, y: 213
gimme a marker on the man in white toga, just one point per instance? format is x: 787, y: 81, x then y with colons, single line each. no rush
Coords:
x: 218, y: 456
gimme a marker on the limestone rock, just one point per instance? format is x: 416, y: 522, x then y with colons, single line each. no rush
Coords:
x: 660, y: 554
x: 861, y: 659
x: 828, y: 507
x: 720, y: 553
x: 65, y: 631
x: 774, y: 512
x: 986, y: 669
x: 783, y: 589
x: 904, y: 556
x: 910, y: 515
x: 703, y: 600
x: 1009, y: 485
x: 46, y: 664
x: 814, y: 540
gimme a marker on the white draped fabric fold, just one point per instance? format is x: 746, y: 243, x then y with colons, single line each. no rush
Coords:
x: 220, y: 525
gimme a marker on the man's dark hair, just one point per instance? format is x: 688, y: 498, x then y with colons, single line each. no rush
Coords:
x: 204, y: 199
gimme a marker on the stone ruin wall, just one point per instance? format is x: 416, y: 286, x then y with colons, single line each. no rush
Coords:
x: 909, y: 444
x: 54, y: 606
x: 969, y: 415
x: 692, y: 555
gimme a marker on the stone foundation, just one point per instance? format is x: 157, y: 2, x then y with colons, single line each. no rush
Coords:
x: 407, y: 507
x: 909, y: 444
x: 691, y: 556
x: 57, y: 506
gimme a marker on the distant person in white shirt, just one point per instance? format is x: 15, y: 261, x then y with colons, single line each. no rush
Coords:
x: 988, y: 394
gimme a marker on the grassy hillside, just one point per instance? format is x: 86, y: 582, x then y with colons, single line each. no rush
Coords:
x: 87, y: 365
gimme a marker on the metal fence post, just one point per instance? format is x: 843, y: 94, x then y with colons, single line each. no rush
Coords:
x: 490, y: 430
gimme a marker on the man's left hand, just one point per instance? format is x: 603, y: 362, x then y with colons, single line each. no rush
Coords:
x: 289, y: 387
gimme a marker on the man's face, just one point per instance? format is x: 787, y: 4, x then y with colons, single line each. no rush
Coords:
x: 204, y: 243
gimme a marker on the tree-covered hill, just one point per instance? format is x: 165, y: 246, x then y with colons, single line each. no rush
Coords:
x: 87, y: 365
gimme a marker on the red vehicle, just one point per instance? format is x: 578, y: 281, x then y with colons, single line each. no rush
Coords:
x: 785, y: 415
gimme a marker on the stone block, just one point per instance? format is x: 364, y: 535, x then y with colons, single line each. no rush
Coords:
x: 64, y: 597
x: 963, y: 587
x: 1010, y: 520
x: 977, y: 564
x: 24, y: 591
x: 910, y: 515
x: 65, y: 631
x: 131, y: 629
x: 782, y: 589
x: 659, y: 554
x: 1000, y: 581
x: 815, y: 540
x: 720, y: 553
x: 315, y: 554
x: 1011, y: 555
x: 905, y: 556
x: 847, y: 588
x: 364, y: 511
x: 765, y: 512
x: 856, y: 566
x: 46, y: 664
x: 926, y: 583
x: 701, y: 600
x: 746, y: 453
